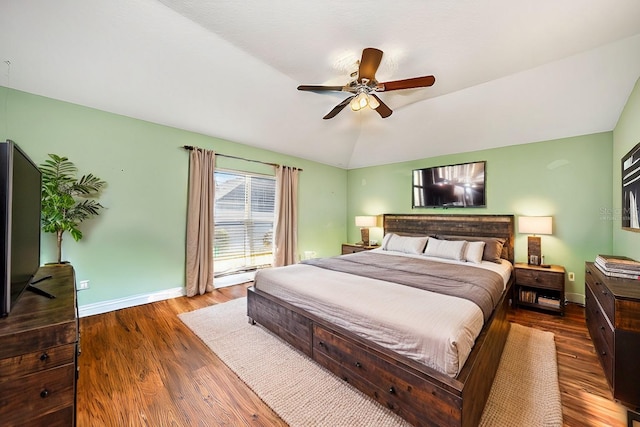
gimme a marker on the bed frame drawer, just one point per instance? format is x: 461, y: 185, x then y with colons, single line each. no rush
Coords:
x: 288, y: 324
x: 398, y: 389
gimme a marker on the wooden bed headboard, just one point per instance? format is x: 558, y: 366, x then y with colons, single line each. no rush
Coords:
x: 454, y: 225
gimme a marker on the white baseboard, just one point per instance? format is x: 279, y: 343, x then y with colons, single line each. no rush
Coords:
x: 126, y: 302
x: 577, y: 298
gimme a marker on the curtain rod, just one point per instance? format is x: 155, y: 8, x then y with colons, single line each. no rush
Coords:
x: 190, y: 147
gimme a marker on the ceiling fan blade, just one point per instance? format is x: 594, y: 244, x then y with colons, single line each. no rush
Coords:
x: 383, y: 109
x: 318, y: 88
x: 331, y: 114
x: 369, y: 63
x: 406, y: 83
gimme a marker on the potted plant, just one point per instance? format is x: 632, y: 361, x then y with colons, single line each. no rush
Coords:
x: 66, y: 200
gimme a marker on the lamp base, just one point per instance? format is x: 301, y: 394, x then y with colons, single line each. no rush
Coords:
x: 364, y: 233
x: 534, y: 250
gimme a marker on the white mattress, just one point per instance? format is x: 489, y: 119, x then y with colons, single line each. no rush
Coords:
x: 436, y: 330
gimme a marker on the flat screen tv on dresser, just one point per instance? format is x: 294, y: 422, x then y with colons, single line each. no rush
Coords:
x: 20, y: 189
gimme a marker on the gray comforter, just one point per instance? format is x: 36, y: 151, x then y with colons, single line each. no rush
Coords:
x: 482, y: 287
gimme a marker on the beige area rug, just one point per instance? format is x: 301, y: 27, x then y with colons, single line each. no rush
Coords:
x: 525, y: 392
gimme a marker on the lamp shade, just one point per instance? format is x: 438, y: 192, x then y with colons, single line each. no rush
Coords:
x: 535, y: 225
x: 366, y: 221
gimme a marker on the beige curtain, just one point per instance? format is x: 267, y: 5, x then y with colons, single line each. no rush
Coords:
x: 199, y: 265
x: 286, y: 222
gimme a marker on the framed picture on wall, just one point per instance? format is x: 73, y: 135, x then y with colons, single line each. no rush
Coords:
x: 631, y: 189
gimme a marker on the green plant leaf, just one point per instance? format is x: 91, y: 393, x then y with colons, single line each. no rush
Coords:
x: 61, y: 211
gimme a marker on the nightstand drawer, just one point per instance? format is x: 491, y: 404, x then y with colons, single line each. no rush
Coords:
x: 348, y: 248
x: 540, y: 279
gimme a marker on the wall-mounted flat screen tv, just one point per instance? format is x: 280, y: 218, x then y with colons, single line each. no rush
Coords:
x: 452, y: 186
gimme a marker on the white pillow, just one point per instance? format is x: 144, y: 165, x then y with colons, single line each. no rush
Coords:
x: 473, y: 252
x: 448, y: 249
x: 386, y: 239
x: 406, y: 244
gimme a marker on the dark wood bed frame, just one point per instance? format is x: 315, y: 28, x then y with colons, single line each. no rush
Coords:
x: 417, y: 393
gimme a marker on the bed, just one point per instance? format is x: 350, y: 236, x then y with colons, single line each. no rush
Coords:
x: 359, y: 347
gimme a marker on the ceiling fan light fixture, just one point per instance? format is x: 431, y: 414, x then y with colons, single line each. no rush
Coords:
x: 355, y: 104
x: 373, y: 102
x: 359, y: 102
x: 364, y: 84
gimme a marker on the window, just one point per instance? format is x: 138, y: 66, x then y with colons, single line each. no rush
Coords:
x: 243, y: 219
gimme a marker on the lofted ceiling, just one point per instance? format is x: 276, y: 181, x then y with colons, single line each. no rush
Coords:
x: 507, y: 72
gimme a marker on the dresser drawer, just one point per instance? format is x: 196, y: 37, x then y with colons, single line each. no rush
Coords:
x: 36, y: 361
x: 612, y: 309
x: 601, y: 334
x: 37, y: 395
x: 358, y: 365
x: 540, y: 279
x: 602, y: 294
x: 597, y: 321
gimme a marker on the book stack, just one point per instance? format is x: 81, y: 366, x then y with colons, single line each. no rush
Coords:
x: 618, y: 266
x: 549, y: 301
x: 528, y: 296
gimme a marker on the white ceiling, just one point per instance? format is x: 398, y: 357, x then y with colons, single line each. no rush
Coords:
x: 507, y: 72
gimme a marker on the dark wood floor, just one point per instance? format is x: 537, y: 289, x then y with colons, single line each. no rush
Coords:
x: 142, y: 367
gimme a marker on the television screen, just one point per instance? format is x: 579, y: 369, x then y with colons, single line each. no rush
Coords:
x: 20, y: 186
x: 452, y: 186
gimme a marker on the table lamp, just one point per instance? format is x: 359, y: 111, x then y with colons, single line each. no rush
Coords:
x: 364, y: 222
x: 535, y: 225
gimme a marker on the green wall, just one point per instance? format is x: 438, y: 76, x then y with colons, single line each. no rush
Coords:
x: 136, y: 246
x: 569, y: 179
x: 625, y: 136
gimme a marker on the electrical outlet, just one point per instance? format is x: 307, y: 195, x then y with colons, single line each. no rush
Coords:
x: 572, y: 276
x: 83, y: 284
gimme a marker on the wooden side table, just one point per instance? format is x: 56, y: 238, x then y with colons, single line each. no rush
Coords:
x: 352, y: 248
x: 539, y: 287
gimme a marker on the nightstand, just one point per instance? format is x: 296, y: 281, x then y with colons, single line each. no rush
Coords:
x: 540, y: 287
x: 352, y: 248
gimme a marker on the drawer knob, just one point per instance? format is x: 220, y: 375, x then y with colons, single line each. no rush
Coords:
x: 358, y: 365
x: 44, y: 393
x: 44, y: 356
x: 604, y: 353
x: 321, y: 344
x: 602, y: 328
x: 392, y: 390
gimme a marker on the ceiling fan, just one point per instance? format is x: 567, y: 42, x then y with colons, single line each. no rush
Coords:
x: 365, y: 84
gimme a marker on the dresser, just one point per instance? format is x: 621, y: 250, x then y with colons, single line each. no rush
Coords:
x: 38, y: 354
x: 612, y: 311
